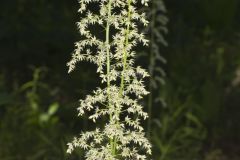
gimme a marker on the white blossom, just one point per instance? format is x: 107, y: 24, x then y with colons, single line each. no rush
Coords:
x: 123, y: 136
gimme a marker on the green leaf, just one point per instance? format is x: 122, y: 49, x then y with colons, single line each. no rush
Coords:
x: 44, y: 117
x: 193, y: 119
x: 53, y: 108
x: 26, y: 86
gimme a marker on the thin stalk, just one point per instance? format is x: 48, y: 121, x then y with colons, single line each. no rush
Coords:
x: 108, y: 66
x: 151, y: 61
x: 125, y: 56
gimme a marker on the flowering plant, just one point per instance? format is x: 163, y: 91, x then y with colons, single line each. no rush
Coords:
x: 122, y: 137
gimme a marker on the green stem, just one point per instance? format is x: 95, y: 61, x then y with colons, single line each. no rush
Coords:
x: 151, y: 61
x: 108, y: 67
x: 125, y: 56
x: 150, y: 101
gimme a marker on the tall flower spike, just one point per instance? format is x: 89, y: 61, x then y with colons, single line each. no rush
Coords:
x: 122, y: 137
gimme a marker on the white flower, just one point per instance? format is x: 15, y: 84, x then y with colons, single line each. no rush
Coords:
x: 114, y: 58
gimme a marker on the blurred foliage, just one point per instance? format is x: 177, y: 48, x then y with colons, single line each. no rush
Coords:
x: 200, y: 117
x: 30, y: 126
x: 178, y: 134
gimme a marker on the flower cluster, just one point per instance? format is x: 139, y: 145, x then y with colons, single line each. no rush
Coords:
x: 122, y: 137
